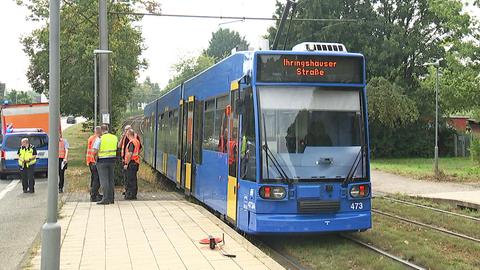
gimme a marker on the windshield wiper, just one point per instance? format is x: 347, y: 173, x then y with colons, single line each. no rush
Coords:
x: 270, y: 155
x: 354, y: 167
x: 276, y: 164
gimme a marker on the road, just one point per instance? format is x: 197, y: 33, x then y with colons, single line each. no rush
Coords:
x: 21, y: 218
x: 65, y: 125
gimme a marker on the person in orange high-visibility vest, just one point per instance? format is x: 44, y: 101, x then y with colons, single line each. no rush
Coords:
x: 62, y: 162
x: 122, y: 145
x: 92, y: 164
x: 232, y: 153
x: 131, y: 163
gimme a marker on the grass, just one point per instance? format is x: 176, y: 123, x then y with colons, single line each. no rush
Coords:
x: 452, y: 207
x: 452, y: 169
x: 455, y: 223
x: 425, y: 247
x: 329, y: 251
x: 77, y: 176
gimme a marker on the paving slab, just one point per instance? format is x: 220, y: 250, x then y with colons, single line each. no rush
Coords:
x: 162, y: 234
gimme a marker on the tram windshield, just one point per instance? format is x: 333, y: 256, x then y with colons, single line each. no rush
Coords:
x: 312, y: 133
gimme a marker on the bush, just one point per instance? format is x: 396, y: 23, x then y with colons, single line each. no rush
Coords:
x: 475, y: 149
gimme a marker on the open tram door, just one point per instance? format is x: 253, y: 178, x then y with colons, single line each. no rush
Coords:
x: 232, y: 150
x: 185, y: 164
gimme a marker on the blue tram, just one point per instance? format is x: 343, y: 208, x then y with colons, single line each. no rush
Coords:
x: 275, y: 141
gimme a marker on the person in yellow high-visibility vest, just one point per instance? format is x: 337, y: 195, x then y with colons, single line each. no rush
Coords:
x: 27, y: 157
x: 105, y: 149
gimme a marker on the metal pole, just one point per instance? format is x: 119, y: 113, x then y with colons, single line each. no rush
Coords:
x: 436, y: 123
x: 95, y: 91
x: 281, y: 24
x: 51, y: 229
x: 103, y: 63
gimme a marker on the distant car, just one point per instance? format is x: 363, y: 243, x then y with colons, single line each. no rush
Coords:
x: 10, y: 145
x: 71, y: 120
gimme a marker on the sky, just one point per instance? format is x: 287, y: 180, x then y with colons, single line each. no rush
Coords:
x: 167, y: 39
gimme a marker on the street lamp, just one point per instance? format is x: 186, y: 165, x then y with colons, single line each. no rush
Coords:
x: 436, y: 64
x: 95, y: 52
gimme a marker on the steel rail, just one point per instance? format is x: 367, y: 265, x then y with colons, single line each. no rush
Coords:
x: 427, y: 226
x: 283, y: 259
x: 430, y: 208
x: 384, y: 253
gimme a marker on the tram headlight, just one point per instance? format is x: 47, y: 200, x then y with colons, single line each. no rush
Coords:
x: 359, y: 191
x: 272, y: 192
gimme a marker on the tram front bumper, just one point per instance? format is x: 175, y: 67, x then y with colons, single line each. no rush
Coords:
x: 309, y: 223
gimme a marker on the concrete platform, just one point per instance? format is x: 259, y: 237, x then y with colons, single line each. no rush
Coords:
x: 149, y: 235
x: 467, y: 195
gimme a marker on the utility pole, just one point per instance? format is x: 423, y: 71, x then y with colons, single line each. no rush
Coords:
x: 51, y: 229
x: 437, y: 66
x: 104, y: 95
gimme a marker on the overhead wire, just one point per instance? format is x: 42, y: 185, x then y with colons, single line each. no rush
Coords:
x: 244, y: 18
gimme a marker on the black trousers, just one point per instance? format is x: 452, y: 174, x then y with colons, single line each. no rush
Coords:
x: 94, y: 181
x: 61, y: 173
x: 105, y: 169
x: 131, y: 184
x: 28, y: 178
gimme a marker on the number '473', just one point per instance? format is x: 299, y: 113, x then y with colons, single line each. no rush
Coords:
x: 356, y: 206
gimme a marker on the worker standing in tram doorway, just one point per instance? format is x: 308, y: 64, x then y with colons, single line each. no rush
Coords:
x: 92, y: 165
x: 105, y: 149
x: 27, y: 157
x: 131, y: 164
x: 62, y: 161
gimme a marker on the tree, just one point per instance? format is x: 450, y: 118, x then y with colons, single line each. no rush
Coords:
x: 222, y: 43
x: 144, y: 93
x: 388, y: 105
x: 459, y: 84
x: 78, y: 39
x: 397, y: 37
x: 188, y: 68
x: 18, y: 97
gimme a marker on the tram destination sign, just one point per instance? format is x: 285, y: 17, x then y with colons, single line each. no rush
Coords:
x: 309, y: 68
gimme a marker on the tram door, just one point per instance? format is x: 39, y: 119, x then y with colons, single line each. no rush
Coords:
x: 189, y: 127
x: 182, y: 144
x: 232, y: 150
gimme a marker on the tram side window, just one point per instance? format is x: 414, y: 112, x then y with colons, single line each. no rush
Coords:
x: 168, y: 131
x: 152, y: 129
x: 221, y: 124
x: 209, y: 139
x: 248, y: 144
x: 170, y: 142
x: 160, y: 133
x: 198, y: 130
x: 174, y: 129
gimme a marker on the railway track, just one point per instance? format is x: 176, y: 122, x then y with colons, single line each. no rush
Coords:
x: 292, y: 264
x: 383, y: 252
x: 278, y: 255
x: 463, y: 236
x: 430, y: 208
x: 136, y: 123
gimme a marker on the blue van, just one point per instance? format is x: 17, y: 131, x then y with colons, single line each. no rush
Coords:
x: 11, y: 143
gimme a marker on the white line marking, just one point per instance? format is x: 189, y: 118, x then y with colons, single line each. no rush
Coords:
x: 9, y: 188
